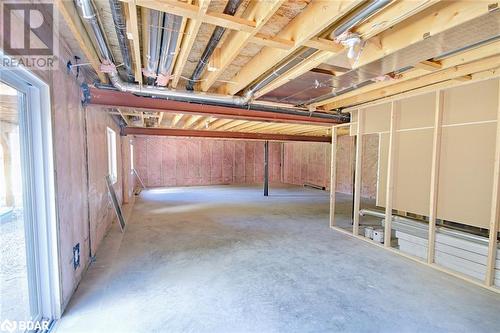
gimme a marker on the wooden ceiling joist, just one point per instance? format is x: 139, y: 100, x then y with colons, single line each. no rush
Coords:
x: 258, y: 11
x: 451, y: 73
x: 377, y: 25
x: 443, y: 16
x: 191, y: 31
x: 222, y: 134
x: 465, y: 57
x: 72, y: 19
x: 133, y: 34
x: 316, y: 17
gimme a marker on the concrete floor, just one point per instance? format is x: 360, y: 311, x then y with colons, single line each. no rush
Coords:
x: 226, y: 259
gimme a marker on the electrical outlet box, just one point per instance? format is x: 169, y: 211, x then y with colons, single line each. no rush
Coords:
x: 76, y: 256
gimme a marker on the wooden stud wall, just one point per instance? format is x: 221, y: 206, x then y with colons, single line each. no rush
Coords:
x: 359, y: 128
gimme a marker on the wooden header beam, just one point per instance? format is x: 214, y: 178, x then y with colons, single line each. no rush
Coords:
x: 112, y: 98
x: 222, y: 134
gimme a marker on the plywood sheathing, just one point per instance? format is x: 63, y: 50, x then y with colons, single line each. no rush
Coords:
x: 167, y: 161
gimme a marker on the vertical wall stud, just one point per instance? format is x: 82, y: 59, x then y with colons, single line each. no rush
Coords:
x: 495, y: 206
x: 436, y: 149
x: 357, y: 176
x: 390, y: 174
x: 333, y: 176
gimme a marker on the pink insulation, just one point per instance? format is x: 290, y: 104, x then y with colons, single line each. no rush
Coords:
x: 71, y: 182
x: 168, y: 161
x: 77, y: 200
x: 310, y: 163
x: 100, y: 209
x: 307, y: 163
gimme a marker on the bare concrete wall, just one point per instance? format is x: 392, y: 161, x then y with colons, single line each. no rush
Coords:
x: 310, y: 163
x: 166, y: 161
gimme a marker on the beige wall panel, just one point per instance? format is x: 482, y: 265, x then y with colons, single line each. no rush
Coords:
x: 412, y: 172
x: 472, y: 102
x: 466, y: 174
x: 416, y: 112
x: 377, y: 118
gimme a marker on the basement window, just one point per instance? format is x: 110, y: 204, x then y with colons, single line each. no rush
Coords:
x: 112, y: 164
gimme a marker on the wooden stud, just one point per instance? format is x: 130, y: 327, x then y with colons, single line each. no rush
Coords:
x: 357, y: 176
x: 495, y: 206
x: 391, y: 157
x: 272, y: 41
x: 73, y: 21
x: 191, y: 120
x: 463, y: 57
x: 333, y: 176
x: 192, y: 28
x: 417, y: 260
x: 327, y: 48
x: 476, y: 77
x: 324, y: 44
x: 451, y: 73
x: 447, y: 15
x: 429, y: 65
x: 261, y: 12
x: 316, y: 17
x: 176, y: 120
x: 306, y: 65
x: 133, y: 29
x: 436, y: 151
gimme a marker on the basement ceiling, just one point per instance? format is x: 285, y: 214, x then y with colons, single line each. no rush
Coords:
x: 403, y: 35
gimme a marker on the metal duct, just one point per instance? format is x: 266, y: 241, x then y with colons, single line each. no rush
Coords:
x: 230, y: 9
x: 484, y: 29
x: 280, y: 70
x: 88, y: 13
x: 171, y: 26
x: 119, y: 22
x: 359, y: 16
x: 154, y: 22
